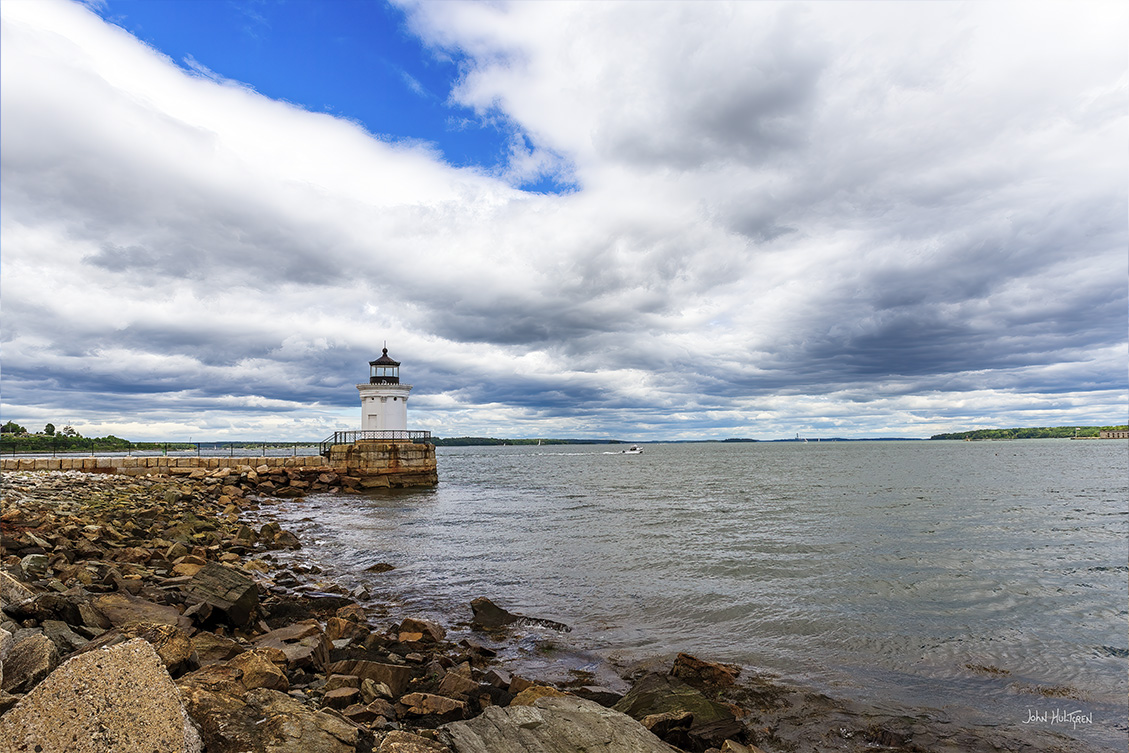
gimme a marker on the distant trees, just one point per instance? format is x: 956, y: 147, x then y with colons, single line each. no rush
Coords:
x: 49, y: 430
x: 12, y: 428
x: 1038, y: 432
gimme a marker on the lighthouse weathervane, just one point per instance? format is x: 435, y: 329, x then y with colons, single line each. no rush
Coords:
x: 384, y: 401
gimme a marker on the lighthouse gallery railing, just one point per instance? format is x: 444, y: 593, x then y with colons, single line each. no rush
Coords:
x: 380, y: 435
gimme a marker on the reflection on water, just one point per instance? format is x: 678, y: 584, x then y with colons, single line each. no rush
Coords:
x: 986, y: 576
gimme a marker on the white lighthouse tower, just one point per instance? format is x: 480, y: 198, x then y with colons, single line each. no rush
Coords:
x: 384, y: 401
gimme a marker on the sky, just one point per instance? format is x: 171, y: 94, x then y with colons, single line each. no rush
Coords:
x: 633, y: 220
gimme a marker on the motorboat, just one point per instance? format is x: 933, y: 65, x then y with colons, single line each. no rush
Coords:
x: 633, y: 450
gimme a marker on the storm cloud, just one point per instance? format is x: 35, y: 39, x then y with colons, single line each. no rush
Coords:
x: 840, y: 219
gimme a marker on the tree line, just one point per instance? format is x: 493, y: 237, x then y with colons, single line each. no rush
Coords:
x: 1037, y: 432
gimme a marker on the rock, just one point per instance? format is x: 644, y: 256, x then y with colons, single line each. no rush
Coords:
x: 340, y: 698
x: 65, y: 639
x: 333, y: 682
x: 395, y: 676
x: 303, y: 643
x: 531, y: 694
x: 488, y: 615
x: 379, y: 567
x: 259, y: 671
x: 456, y: 686
x: 337, y: 628
x: 228, y: 589
x: 499, y: 678
x: 353, y: 613
x: 29, y: 661
x: 551, y: 725
x: 211, y: 648
x: 12, y: 592
x: 704, y: 674
x: 370, y: 690
x: 123, y: 609
x: 34, y: 565
x: 667, y: 722
x: 428, y: 628
x: 94, y: 706
x: 405, y: 742
x: 518, y: 684
x: 601, y: 695
x: 172, y: 644
x: 424, y: 704
x: 260, y: 720
x: 658, y: 694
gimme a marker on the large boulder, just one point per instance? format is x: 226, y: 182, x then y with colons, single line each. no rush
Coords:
x: 118, y: 699
x: 551, y: 725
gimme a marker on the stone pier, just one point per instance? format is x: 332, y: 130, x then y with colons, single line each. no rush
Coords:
x: 362, y: 465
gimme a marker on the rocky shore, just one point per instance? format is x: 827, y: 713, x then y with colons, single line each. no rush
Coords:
x: 146, y: 613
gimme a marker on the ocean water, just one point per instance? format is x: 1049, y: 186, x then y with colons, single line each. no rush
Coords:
x: 988, y: 579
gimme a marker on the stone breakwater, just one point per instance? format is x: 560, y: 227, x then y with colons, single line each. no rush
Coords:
x: 349, y: 468
x: 144, y: 613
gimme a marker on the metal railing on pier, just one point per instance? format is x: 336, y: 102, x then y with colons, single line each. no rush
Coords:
x: 382, y: 435
x: 85, y: 447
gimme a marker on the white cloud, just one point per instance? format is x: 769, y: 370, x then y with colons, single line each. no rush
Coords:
x: 869, y: 219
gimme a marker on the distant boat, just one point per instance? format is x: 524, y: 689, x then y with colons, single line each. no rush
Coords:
x: 633, y: 450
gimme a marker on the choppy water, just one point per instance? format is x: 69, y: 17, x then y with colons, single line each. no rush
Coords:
x: 987, y: 577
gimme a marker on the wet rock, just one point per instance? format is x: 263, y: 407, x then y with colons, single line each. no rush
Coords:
x: 228, y: 589
x: 704, y: 674
x: 338, y: 628
x: 29, y: 661
x: 601, y: 695
x: 379, y: 567
x: 551, y: 725
x: 429, y: 630
x: 488, y: 615
x: 118, y: 699
x: 659, y: 694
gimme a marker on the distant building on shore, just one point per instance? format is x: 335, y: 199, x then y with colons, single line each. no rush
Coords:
x: 384, y: 401
x: 1113, y: 434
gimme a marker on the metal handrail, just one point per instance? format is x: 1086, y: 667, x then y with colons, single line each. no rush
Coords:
x: 383, y: 435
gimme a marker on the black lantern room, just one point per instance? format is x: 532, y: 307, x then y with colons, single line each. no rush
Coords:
x: 384, y: 370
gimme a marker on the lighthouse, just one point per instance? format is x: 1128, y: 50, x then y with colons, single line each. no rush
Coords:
x: 384, y: 401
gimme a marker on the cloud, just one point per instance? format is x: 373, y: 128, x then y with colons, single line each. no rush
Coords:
x: 859, y: 219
